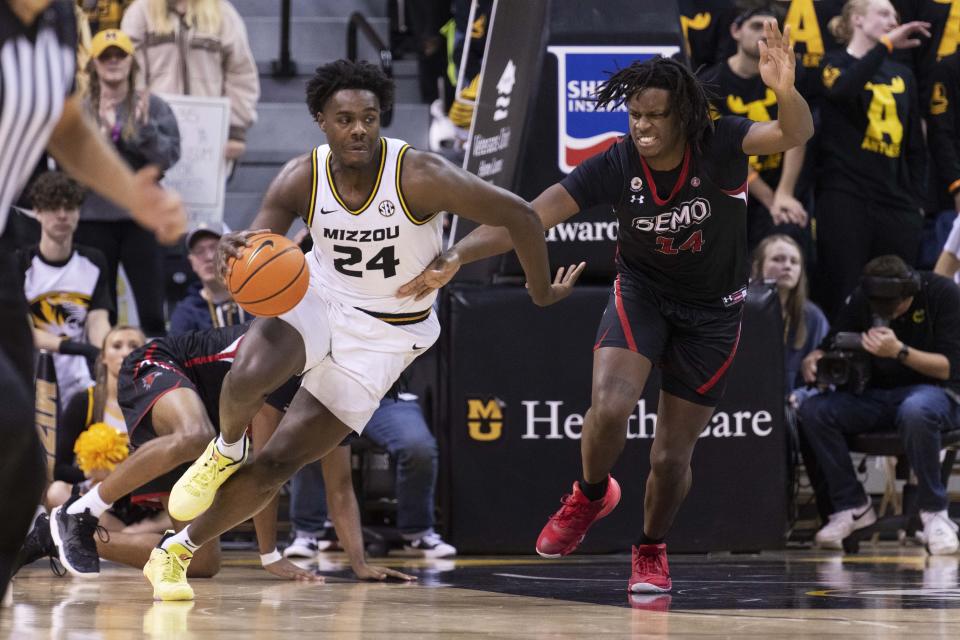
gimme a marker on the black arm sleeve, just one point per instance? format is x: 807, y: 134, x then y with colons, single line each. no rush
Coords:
x: 71, y: 424
x: 596, y: 180
x: 940, y: 105
x: 840, y: 85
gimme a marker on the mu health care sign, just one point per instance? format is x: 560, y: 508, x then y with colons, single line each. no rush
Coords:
x: 515, y: 402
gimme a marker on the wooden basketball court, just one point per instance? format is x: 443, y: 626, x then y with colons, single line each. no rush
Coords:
x: 885, y: 592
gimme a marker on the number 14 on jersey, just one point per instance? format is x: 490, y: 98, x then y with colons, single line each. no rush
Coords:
x: 693, y: 243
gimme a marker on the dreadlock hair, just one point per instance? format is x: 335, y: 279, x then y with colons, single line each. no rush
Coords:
x: 688, y: 98
x: 345, y: 74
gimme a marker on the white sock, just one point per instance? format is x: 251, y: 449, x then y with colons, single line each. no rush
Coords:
x: 91, y: 501
x: 233, y: 450
x: 183, y: 538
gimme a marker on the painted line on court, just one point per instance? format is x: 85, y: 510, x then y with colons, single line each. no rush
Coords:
x: 523, y: 577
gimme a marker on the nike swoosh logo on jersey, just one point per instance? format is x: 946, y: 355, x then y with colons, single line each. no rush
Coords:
x: 416, y: 348
x: 325, y: 212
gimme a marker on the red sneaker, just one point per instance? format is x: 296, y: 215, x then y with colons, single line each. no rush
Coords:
x: 650, y: 571
x: 566, y: 528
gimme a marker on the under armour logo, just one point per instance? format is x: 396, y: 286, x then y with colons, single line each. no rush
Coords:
x: 635, y: 199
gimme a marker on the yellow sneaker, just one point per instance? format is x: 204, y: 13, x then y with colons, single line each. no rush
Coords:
x: 194, y: 491
x: 167, y: 572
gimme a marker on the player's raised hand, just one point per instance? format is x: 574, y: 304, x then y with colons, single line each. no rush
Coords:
x: 373, y: 572
x: 438, y: 273
x: 283, y: 568
x: 563, y: 282
x: 156, y: 208
x: 778, y: 63
x: 231, y: 245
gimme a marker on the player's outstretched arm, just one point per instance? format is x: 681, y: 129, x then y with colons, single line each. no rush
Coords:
x: 287, y: 197
x: 794, y: 123
x: 432, y: 184
x: 80, y: 149
x: 553, y: 206
x: 508, y: 223
x: 345, y: 514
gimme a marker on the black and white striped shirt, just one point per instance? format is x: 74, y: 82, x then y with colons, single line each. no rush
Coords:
x: 37, y: 65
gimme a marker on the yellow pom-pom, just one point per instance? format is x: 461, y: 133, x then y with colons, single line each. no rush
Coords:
x: 100, y: 447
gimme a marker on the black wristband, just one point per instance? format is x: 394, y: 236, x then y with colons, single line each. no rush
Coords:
x: 74, y: 348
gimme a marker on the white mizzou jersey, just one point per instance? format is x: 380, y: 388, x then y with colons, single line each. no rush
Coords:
x: 364, y: 255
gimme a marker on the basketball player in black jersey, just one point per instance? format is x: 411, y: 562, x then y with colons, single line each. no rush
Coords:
x: 169, y: 391
x: 677, y: 185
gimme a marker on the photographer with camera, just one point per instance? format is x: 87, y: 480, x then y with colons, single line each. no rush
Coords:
x: 892, y: 360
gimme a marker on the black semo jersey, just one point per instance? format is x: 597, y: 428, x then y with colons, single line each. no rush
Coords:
x: 682, y: 232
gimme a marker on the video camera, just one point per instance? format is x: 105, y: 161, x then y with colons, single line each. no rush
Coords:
x: 845, y: 365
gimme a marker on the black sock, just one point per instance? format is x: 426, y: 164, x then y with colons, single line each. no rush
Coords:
x: 645, y: 539
x: 594, y: 491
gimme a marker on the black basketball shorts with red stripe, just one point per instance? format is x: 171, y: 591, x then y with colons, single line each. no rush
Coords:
x: 139, y: 388
x: 693, y: 346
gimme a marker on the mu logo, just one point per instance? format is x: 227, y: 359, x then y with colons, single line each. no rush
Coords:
x: 484, y: 418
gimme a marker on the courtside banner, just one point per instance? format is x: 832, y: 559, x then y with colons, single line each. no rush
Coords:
x: 583, y: 129
x: 514, y: 395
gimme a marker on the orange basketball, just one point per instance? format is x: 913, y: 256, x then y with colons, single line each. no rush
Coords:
x: 270, y: 277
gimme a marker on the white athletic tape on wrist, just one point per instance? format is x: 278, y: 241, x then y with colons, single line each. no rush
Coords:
x: 270, y: 558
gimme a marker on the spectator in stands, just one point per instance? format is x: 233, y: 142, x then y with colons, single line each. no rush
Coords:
x: 104, y: 14
x: 871, y: 163
x: 808, y: 21
x: 942, y: 106
x: 948, y: 264
x: 778, y: 259
x: 909, y: 327
x: 144, y: 131
x: 65, y: 285
x: 98, y: 403
x: 740, y: 91
x: 208, y: 303
x: 399, y: 427
x: 198, y: 48
x: 943, y: 40
x: 705, y: 25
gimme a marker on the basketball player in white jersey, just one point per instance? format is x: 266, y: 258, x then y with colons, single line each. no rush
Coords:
x: 371, y: 205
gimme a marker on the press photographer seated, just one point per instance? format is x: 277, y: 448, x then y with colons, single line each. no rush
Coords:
x: 903, y: 373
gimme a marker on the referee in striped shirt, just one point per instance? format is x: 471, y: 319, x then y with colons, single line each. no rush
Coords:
x: 39, y: 110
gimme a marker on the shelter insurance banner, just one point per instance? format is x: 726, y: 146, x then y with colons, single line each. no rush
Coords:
x: 512, y: 407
